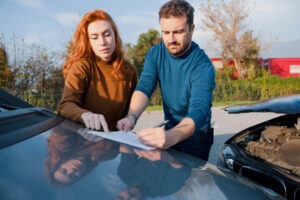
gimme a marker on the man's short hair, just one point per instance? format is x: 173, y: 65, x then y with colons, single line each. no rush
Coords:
x: 177, y: 8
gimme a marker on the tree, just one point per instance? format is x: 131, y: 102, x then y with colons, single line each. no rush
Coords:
x: 54, y: 87
x: 6, y: 77
x: 136, y: 54
x: 228, y: 21
x: 39, y: 80
x: 31, y: 72
x: 250, y: 57
x: 129, y: 52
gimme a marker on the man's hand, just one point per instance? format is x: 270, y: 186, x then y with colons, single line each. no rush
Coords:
x: 159, y: 155
x: 94, y: 121
x: 164, y: 139
x: 156, y: 137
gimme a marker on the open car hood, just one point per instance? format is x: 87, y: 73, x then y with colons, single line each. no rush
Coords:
x: 286, y: 105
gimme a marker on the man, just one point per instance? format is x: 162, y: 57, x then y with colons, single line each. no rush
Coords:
x: 187, y: 79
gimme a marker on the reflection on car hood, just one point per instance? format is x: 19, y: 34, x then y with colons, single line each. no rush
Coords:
x: 287, y: 105
x: 39, y: 168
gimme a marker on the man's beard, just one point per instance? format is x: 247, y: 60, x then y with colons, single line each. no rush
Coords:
x: 181, y: 50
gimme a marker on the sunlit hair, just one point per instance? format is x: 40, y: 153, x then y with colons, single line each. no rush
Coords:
x: 80, y: 47
x: 177, y: 8
x: 65, y: 145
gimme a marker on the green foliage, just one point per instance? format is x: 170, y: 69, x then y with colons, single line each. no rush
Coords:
x: 6, y: 77
x: 136, y: 54
x: 245, y: 90
x: 35, y: 75
x: 156, y: 98
x: 261, y: 88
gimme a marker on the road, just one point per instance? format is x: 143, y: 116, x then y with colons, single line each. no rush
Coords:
x: 225, y: 125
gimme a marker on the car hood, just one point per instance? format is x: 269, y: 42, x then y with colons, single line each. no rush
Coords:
x: 285, y: 105
x: 108, y: 169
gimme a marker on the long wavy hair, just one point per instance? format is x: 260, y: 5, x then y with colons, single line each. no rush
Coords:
x: 64, y: 145
x: 80, y: 47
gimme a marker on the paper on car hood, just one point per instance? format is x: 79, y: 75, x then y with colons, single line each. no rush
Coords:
x: 123, y: 137
x: 286, y: 104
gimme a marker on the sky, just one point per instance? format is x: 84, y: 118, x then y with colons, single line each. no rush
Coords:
x: 51, y: 23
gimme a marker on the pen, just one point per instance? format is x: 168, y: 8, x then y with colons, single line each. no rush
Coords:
x: 161, y: 124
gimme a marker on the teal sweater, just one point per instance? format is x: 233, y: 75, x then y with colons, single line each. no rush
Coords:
x: 186, y: 83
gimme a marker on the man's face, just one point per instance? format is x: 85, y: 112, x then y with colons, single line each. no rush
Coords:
x: 176, y: 34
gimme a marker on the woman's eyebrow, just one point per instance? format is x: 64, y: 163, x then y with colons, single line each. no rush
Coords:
x: 104, y: 31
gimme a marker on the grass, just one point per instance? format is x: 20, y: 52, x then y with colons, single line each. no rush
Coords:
x: 215, y: 104
x: 154, y: 108
x: 230, y: 103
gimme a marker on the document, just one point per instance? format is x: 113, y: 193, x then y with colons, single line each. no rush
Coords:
x: 123, y: 137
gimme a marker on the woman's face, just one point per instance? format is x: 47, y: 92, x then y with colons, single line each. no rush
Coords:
x: 102, y: 39
x: 70, y: 171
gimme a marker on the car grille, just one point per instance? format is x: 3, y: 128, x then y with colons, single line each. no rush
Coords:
x: 268, y: 181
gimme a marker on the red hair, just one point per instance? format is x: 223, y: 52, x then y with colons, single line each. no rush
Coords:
x: 80, y: 46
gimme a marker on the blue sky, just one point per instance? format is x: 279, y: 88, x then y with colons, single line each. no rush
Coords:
x: 51, y: 23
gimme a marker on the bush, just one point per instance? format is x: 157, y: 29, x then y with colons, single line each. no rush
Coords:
x: 261, y: 88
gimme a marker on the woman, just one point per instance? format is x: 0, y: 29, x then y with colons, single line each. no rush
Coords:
x: 71, y: 156
x: 98, y: 81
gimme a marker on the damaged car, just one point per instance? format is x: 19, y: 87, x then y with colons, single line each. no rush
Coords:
x: 267, y: 153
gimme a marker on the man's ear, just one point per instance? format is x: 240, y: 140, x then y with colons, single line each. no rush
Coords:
x: 192, y: 27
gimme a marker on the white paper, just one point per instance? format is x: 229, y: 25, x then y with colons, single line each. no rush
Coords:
x: 123, y: 137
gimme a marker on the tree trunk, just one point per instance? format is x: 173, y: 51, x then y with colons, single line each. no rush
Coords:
x: 237, y: 64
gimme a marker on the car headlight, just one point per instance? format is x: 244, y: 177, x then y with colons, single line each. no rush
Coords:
x: 228, y: 157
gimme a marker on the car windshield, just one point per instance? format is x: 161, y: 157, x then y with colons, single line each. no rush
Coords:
x: 20, y: 120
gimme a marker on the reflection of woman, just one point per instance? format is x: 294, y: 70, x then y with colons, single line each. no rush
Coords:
x: 71, y: 157
x: 98, y: 81
x: 147, y: 176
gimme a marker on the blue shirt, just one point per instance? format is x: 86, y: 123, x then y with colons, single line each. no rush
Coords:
x: 186, y: 83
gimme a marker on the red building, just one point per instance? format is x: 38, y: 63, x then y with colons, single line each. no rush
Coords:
x: 283, y: 67
x: 217, y: 62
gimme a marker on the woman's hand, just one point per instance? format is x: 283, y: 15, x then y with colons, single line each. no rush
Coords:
x: 94, y: 121
x: 127, y: 123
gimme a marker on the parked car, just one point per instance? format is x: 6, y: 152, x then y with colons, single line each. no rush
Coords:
x: 268, y: 153
x: 44, y: 156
